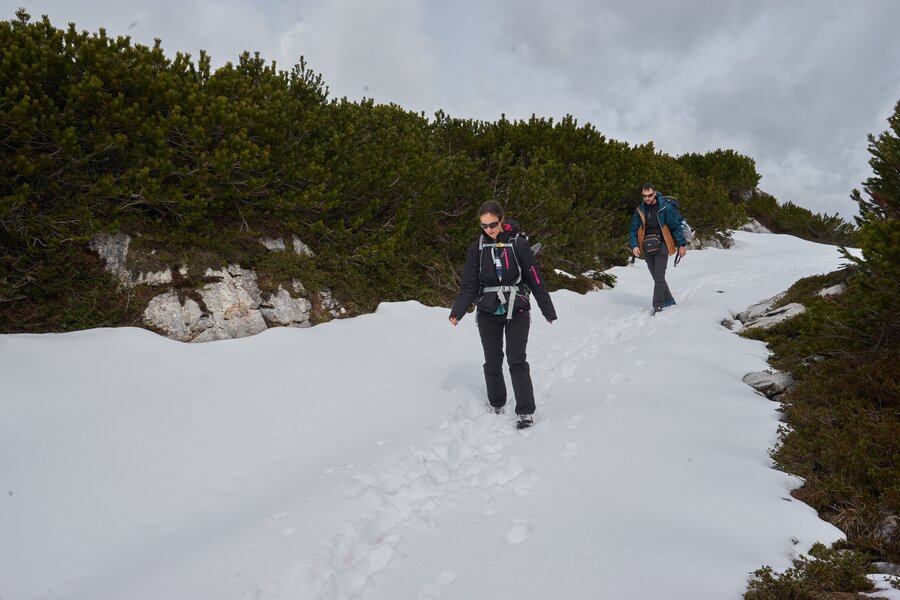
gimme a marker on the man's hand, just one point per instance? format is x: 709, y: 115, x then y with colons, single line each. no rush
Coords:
x: 682, y: 251
x: 454, y: 321
x: 636, y: 251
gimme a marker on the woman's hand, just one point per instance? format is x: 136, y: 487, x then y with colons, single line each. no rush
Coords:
x: 454, y: 321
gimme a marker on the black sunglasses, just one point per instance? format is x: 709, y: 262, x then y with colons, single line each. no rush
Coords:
x: 648, y: 195
x: 489, y: 225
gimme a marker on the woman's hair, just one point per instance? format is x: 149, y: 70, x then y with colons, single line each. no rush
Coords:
x: 492, y: 207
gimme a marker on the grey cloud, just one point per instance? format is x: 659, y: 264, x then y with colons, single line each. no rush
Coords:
x: 796, y: 85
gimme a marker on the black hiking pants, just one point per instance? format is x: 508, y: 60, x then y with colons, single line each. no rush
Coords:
x: 491, y: 329
x: 657, y: 263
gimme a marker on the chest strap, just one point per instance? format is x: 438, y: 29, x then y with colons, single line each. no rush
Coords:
x: 505, y: 293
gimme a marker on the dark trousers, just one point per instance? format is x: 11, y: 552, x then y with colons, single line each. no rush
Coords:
x: 657, y: 264
x: 491, y: 328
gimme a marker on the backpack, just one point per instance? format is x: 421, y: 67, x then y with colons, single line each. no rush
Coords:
x: 686, y: 230
x: 507, y: 292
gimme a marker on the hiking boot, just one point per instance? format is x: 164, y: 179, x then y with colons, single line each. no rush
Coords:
x: 656, y: 309
x: 524, y: 421
x: 497, y: 410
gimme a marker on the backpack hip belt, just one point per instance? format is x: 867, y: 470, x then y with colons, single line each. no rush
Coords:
x: 505, y: 293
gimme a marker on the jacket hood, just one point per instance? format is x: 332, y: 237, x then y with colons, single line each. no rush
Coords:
x: 511, y: 226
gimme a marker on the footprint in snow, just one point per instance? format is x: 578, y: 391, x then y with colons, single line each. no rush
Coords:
x: 570, y: 451
x: 430, y: 591
x: 575, y: 421
x: 445, y: 578
x: 517, y: 532
x: 435, y: 590
x: 610, y: 399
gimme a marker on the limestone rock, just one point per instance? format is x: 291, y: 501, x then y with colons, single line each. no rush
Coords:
x: 166, y: 314
x: 759, y: 309
x: 331, y: 305
x: 719, y: 241
x: 233, y: 305
x: 301, y: 248
x: 273, y: 244
x: 774, y: 317
x: 281, y: 309
x: 768, y: 383
x: 833, y: 290
x: 754, y: 226
x: 154, y: 278
x: 113, y: 249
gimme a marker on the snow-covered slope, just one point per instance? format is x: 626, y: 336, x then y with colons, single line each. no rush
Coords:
x: 357, y: 459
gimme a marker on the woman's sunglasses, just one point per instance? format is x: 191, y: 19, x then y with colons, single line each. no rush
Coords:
x: 489, y: 225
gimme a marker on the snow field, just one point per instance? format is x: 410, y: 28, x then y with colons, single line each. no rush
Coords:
x: 358, y: 459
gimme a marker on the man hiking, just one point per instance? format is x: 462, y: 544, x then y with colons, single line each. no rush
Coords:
x: 656, y: 233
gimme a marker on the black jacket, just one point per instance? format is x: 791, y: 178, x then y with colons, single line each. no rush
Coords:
x: 514, y: 257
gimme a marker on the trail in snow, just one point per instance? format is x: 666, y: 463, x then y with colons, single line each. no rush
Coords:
x: 358, y: 459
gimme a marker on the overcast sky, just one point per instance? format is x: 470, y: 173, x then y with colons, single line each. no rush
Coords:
x: 795, y: 84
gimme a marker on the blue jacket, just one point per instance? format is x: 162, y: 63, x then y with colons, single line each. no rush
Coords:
x: 669, y: 222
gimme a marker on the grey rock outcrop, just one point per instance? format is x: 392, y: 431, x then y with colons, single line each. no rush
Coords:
x: 183, y: 322
x: 230, y: 305
x: 278, y: 245
x: 759, y: 309
x: 229, y: 308
x: 332, y: 306
x: 233, y: 305
x: 769, y: 383
x: 113, y: 250
x: 763, y: 315
x: 754, y: 226
x: 776, y: 316
x: 273, y: 244
x: 301, y: 248
x: 720, y: 241
x: 281, y: 309
x: 833, y: 290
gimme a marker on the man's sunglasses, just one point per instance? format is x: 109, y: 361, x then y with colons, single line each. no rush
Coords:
x: 489, y: 225
x: 648, y: 195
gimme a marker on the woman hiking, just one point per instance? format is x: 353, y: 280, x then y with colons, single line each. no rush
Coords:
x: 499, y: 274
